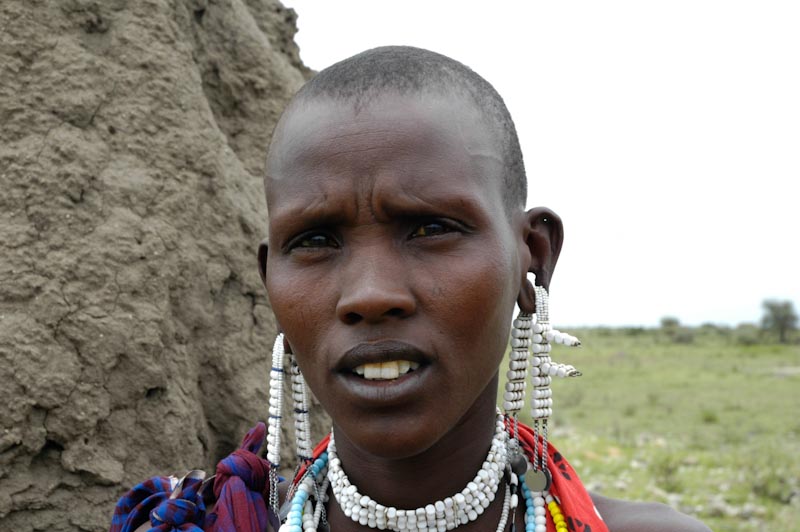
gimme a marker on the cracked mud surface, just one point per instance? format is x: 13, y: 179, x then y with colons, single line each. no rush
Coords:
x: 134, y: 331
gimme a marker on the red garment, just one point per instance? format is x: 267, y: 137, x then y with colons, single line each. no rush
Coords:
x: 575, y: 502
x: 241, y: 487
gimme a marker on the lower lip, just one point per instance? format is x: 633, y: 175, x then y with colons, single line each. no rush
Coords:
x: 385, y: 392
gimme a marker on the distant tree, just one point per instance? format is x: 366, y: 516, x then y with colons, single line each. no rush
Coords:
x: 670, y: 323
x: 779, y: 317
x: 672, y: 328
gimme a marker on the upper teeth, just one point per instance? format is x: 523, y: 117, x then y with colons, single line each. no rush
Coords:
x: 386, y: 370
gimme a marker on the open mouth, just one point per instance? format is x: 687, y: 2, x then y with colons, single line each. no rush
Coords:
x: 385, y: 361
x: 385, y: 371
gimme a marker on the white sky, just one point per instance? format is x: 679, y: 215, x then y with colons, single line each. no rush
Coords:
x: 665, y: 134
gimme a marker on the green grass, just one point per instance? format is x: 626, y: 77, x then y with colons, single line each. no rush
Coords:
x: 709, y: 427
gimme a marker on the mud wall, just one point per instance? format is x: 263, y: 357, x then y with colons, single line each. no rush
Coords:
x: 134, y: 331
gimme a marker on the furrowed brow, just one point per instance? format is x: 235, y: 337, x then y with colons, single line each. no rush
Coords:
x: 418, y: 204
x: 292, y: 219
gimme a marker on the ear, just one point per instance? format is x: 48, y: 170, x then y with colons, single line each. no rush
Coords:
x: 263, y: 249
x: 544, y: 234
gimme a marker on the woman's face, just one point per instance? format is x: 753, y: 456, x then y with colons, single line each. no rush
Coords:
x: 393, y: 265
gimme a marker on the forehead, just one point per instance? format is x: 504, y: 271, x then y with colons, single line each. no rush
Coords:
x: 420, y: 141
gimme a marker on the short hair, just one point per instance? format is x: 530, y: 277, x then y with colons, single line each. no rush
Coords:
x: 405, y: 69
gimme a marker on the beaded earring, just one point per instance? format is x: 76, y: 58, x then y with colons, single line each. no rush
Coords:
x: 274, y: 420
x: 542, y: 370
x: 302, y: 433
x: 302, y: 424
x: 516, y: 381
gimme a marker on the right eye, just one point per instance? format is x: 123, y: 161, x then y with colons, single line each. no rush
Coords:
x: 313, y: 240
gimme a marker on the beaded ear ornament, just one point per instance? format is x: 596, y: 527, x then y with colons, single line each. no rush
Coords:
x: 302, y: 425
x: 531, y: 338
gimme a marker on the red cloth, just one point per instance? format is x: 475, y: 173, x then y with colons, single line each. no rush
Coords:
x: 240, y: 487
x: 575, y: 502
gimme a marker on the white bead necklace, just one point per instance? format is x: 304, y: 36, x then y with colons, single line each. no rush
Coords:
x: 458, y: 509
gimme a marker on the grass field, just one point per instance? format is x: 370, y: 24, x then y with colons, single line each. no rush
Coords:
x: 710, y: 427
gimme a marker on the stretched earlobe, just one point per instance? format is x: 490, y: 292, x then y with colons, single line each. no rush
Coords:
x: 527, y: 297
x: 263, y: 249
x: 544, y: 235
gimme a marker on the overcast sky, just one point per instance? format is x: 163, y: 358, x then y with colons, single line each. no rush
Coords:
x: 666, y: 135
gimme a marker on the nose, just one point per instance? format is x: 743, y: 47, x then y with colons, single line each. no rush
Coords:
x: 374, y: 288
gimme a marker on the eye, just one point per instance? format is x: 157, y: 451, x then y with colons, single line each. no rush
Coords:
x: 431, y: 229
x: 313, y: 240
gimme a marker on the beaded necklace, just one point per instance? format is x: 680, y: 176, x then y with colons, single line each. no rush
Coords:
x: 466, y: 506
x: 460, y: 508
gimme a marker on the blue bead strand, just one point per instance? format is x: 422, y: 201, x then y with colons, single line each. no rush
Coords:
x: 294, y: 522
x: 530, y: 510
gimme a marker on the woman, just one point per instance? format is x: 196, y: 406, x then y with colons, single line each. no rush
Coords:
x: 398, y: 247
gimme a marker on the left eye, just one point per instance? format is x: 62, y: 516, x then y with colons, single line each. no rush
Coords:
x: 430, y: 229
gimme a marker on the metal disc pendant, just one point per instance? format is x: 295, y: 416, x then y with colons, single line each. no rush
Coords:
x: 538, y: 481
x: 518, y: 464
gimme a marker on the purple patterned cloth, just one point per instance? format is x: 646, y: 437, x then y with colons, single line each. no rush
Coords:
x: 241, y: 487
x: 170, y: 505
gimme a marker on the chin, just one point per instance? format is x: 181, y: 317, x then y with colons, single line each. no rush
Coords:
x: 391, y: 437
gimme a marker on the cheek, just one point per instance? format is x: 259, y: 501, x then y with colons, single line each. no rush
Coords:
x: 298, y: 304
x: 475, y: 299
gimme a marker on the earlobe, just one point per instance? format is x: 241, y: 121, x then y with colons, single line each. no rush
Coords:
x: 544, y: 235
x: 263, y: 249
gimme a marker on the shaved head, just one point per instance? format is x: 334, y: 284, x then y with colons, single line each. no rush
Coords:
x: 404, y: 70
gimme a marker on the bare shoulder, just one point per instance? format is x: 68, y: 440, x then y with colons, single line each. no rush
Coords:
x: 626, y: 516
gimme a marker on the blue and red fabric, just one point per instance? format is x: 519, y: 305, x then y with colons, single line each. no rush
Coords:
x: 240, y: 491
x: 170, y: 505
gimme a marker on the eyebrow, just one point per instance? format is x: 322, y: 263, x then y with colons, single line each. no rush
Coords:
x: 416, y: 205
x: 294, y: 218
x: 302, y: 216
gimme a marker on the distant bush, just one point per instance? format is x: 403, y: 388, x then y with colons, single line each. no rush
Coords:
x: 683, y: 335
x: 712, y: 330
x: 633, y: 331
x: 671, y: 328
x: 747, y: 334
x: 669, y: 323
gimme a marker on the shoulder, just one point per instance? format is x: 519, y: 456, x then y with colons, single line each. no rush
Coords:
x: 626, y: 516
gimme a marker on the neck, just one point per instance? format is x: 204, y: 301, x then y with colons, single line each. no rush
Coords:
x: 438, y: 472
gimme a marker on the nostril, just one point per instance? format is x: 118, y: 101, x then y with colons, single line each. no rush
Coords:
x: 396, y: 312
x: 351, y: 318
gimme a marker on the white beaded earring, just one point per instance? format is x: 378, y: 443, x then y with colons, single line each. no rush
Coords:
x: 514, y: 396
x: 516, y: 381
x: 542, y: 371
x: 302, y: 425
x: 274, y: 419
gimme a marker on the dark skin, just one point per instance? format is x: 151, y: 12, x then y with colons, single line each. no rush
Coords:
x: 391, y: 240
